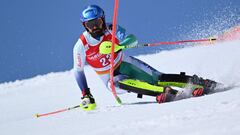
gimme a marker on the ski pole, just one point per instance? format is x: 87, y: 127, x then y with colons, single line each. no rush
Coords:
x: 181, y: 41
x: 105, y: 47
x: 58, y: 111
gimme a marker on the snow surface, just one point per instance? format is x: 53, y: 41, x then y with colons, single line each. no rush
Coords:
x: 211, y: 114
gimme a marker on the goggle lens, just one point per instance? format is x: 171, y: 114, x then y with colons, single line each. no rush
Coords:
x: 96, y: 22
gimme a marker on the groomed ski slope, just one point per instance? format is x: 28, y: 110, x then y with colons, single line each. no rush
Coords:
x: 208, y: 115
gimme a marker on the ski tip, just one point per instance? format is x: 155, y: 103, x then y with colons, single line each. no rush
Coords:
x: 37, y: 115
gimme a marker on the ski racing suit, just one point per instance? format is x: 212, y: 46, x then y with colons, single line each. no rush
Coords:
x: 86, y: 50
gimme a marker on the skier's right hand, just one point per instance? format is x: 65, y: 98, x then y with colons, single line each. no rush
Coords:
x: 88, y: 102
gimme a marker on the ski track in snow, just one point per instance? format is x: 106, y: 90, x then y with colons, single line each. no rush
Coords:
x: 216, y: 113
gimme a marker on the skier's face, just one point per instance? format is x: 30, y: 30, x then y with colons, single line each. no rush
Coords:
x: 95, y: 27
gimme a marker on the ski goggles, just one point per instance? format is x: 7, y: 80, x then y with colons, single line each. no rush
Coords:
x: 94, y: 23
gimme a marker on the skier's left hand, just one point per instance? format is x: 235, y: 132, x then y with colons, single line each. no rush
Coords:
x: 88, y: 102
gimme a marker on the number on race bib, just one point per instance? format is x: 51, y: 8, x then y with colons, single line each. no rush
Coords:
x: 106, y: 60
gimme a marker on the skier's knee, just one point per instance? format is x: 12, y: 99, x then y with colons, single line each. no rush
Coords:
x: 116, y: 84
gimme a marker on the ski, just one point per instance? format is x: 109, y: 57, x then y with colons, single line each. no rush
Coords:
x: 181, y: 90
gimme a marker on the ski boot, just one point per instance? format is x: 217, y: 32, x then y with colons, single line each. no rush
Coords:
x: 88, y: 102
x: 208, y: 85
x: 167, y: 96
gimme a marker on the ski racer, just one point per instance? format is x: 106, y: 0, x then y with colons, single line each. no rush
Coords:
x: 86, y: 50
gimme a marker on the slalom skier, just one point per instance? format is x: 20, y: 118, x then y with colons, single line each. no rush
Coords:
x: 127, y: 69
